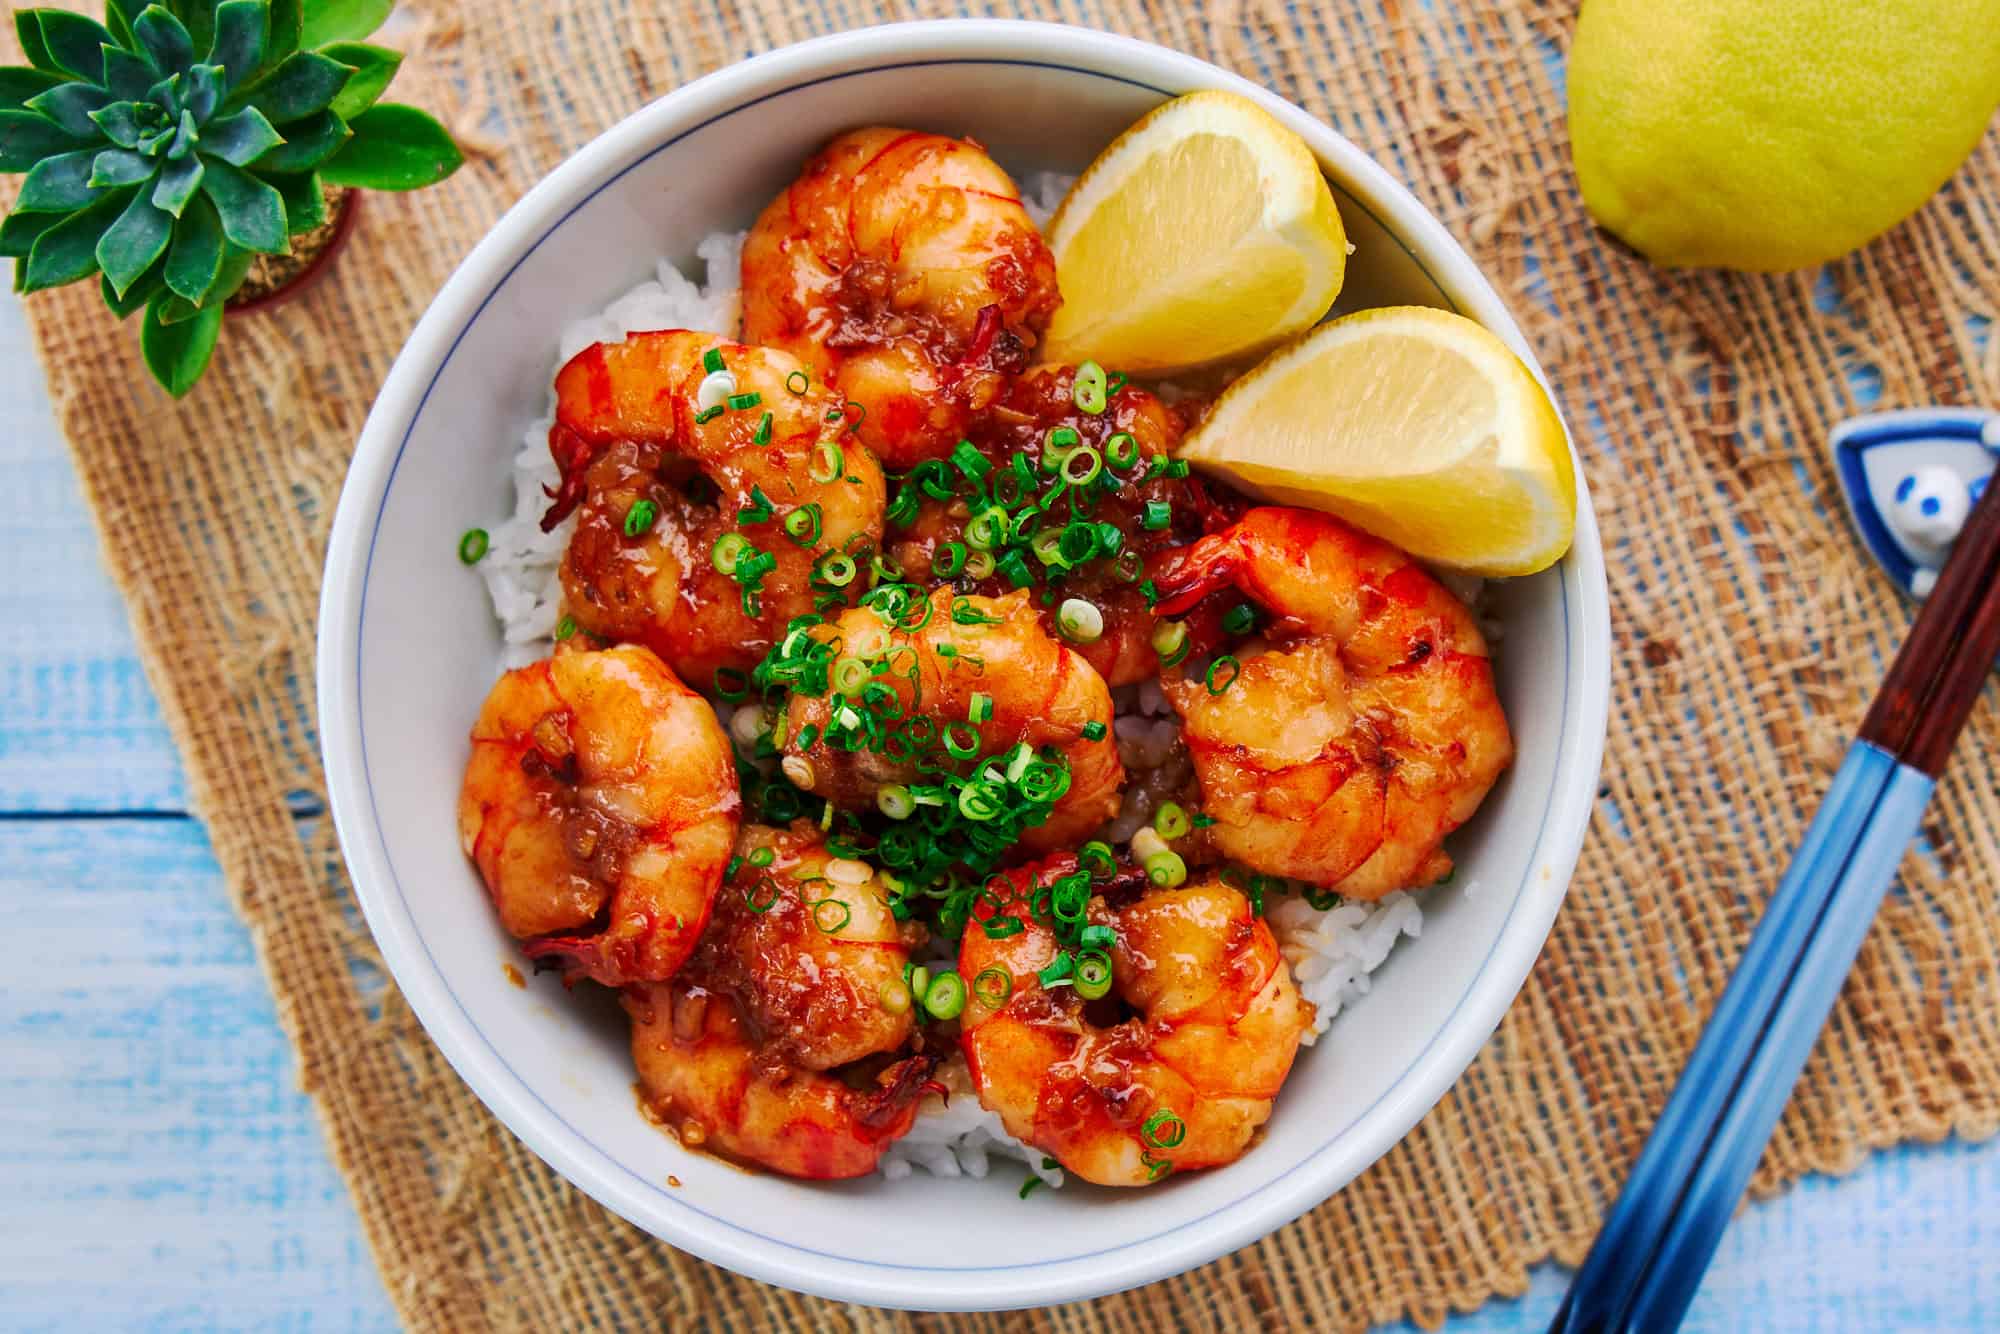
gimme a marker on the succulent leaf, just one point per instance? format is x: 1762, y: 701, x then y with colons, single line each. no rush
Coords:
x: 195, y: 261
x: 165, y: 39
x: 127, y: 77
x: 68, y: 251
x: 26, y: 138
x: 342, y: 21
x: 373, y: 66
x: 59, y: 184
x: 74, y: 43
x: 18, y: 83
x: 307, y: 144
x: 204, y: 91
x: 121, y: 166
x: 69, y: 105
x: 28, y: 29
x: 118, y: 16
x: 240, y: 139
x: 305, y: 206
x: 286, y: 30
x: 240, y: 27
x: 131, y: 244
x: 20, y: 231
x: 394, y: 147
x: 137, y: 295
x: 178, y: 182
x: 125, y: 123
x: 305, y: 84
x: 199, y: 17
x: 177, y: 354
x: 253, y: 214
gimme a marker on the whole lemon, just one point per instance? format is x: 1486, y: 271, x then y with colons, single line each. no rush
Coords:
x: 1774, y: 134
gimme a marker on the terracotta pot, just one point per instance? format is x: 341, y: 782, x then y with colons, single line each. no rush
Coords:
x: 276, y: 279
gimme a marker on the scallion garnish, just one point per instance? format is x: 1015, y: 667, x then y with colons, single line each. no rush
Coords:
x: 1170, y: 821
x: 949, y: 560
x: 1240, y: 619
x: 831, y: 915
x: 565, y: 628
x: 1163, y: 1129
x: 945, y: 996
x: 980, y: 709
x: 1170, y: 641
x: 1121, y: 451
x: 744, y: 402
x: 992, y: 987
x: 1079, y: 621
x: 727, y: 552
x: 1166, y: 870
x: 802, y: 525
x: 763, y: 433
x: 1222, y: 674
x: 1157, y: 516
x: 1094, y: 731
x: 472, y: 546
x: 1088, y: 391
x: 711, y: 361
x: 1093, y: 974
x: 797, y: 382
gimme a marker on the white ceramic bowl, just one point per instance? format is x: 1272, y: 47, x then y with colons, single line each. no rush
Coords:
x: 408, y: 647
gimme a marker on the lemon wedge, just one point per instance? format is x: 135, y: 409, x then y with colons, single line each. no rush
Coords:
x: 1412, y: 424
x: 1202, y: 234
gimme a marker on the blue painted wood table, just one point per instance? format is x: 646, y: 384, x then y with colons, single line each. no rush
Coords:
x: 159, y: 1168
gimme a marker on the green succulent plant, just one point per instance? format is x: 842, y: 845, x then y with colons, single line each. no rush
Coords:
x: 170, y: 145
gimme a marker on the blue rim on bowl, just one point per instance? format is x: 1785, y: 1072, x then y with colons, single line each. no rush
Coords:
x: 1256, y: 1204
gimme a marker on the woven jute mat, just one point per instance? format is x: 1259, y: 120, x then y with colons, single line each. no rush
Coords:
x: 1748, y: 635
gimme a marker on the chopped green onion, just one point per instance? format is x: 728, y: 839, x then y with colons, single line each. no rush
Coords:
x: 761, y: 857
x: 751, y: 893
x: 728, y: 552
x: 836, y: 570
x: 1128, y: 565
x: 744, y: 402
x: 1058, y: 442
x: 641, y: 517
x: 993, y: 986
x: 1097, y: 858
x: 949, y: 561
x: 1015, y: 569
x: 802, y: 525
x: 893, y: 799
x: 960, y: 741
x: 979, y: 565
x: 472, y: 546
x: 945, y: 996
x: 1097, y: 936
x: 1058, y: 971
x: 1093, y: 975
x: 1032, y: 1184
x: 1164, y: 1130
x: 969, y: 461
x: 1149, y: 591
x: 988, y: 529
x: 1082, y: 465
x: 1088, y: 390
x: 731, y: 683
x: 1080, y: 621
x: 1094, y: 731
x: 711, y: 361
x: 894, y: 996
x: 1158, y: 515
x: 849, y: 675
x: 828, y: 463
x: 1118, y: 381
x: 980, y: 709
x: 831, y: 915
x: 1166, y: 870
x: 763, y: 435
x: 1121, y: 451
x: 707, y: 415
x: 1240, y: 619
x: 1170, y: 821
x: 1170, y: 641
x: 1319, y: 900
x: 999, y: 928
x: 1078, y: 541
x: 1217, y: 669
x: 565, y: 628
x: 797, y: 382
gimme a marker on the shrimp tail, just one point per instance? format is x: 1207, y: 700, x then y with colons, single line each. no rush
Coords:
x: 573, y: 455
x: 1191, y: 573
x: 899, y: 1088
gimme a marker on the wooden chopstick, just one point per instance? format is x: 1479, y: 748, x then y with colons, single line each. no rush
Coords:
x: 1661, y: 1233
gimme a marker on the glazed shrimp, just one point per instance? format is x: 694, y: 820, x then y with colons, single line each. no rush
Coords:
x: 806, y: 941
x: 903, y: 267
x: 800, y: 972
x: 599, y: 804
x: 984, y: 678
x: 707, y: 583
x: 1212, y: 1024
x: 1368, y: 730
x: 1122, y: 453
x: 705, y: 1073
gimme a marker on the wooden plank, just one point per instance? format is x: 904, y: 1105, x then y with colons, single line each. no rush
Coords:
x: 159, y: 1166
x: 78, y: 726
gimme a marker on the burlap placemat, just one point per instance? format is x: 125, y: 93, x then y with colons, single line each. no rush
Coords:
x: 1748, y: 634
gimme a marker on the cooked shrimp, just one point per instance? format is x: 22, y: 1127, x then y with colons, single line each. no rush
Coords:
x: 1212, y: 1022
x: 705, y: 1073
x: 806, y: 941
x: 982, y: 676
x: 1369, y: 729
x: 903, y: 267
x: 1124, y: 479
x: 599, y: 805
x: 708, y: 582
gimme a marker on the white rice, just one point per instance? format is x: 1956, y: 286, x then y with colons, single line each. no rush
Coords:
x: 1331, y: 952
